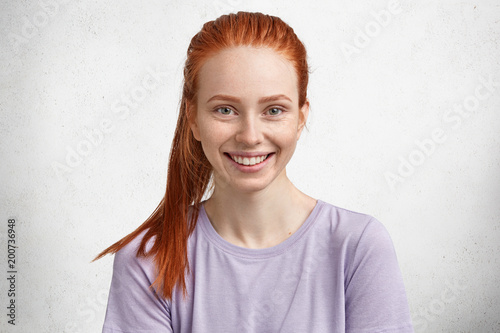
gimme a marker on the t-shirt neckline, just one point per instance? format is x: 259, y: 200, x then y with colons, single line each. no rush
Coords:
x: 224, y: 245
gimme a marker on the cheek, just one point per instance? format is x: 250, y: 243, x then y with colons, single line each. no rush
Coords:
x: 211, y: 135
x: 212, y: 139
x: 286, y: 137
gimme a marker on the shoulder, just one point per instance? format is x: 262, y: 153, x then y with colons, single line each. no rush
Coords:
x: 127, y: 263
x: 375, y: 297
x: 133, y: 305
x: 347, y: 224
x: 352, y: 235
x: 364, y: 244
x: 129, y: 250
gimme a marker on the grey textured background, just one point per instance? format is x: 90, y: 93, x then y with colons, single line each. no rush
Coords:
x: 380, y: 92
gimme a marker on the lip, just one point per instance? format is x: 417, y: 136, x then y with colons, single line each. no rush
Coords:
x: 249, y: 168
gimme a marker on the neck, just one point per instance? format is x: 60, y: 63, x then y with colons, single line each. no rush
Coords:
x: 259, y: 219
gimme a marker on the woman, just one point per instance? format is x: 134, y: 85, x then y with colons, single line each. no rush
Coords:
x: 258, y: 255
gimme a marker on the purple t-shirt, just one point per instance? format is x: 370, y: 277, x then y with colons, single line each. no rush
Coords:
x: 337, y: 273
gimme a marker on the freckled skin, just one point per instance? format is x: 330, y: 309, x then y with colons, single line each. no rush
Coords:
x: 243, y: 123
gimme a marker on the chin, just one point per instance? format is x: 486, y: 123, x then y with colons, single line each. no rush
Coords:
x: 253, y: 185
x: 250, y: 188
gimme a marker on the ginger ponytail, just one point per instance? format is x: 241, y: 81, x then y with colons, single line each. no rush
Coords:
x: 187, y: 180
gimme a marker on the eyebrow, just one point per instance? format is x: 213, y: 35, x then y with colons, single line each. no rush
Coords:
x: 237, y: 100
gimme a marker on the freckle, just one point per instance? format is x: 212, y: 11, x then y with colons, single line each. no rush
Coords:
x: 290, y: 233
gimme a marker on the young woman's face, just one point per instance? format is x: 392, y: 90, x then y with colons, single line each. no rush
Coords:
x: 247, y: 116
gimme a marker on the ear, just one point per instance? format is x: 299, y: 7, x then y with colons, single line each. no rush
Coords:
x: 303, y: 114
x: 193, y: 123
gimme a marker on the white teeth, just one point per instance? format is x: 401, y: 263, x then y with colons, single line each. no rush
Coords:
x: 248, y: 161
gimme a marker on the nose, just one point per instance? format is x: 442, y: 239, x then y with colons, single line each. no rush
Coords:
x: 250, y: 131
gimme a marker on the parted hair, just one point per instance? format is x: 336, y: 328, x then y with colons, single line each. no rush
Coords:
x: 189, y: 171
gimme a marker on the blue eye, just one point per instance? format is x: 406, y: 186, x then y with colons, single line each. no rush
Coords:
x: 275, y: 111
x: 224, y: 110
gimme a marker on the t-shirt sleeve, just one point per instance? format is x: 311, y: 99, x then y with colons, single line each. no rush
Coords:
x: 375, y: 295
x: 133, y: 307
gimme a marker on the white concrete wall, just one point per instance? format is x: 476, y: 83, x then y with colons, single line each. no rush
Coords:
x: 404, y: 126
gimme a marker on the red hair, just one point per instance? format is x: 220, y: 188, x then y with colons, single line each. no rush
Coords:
x: 189, y: 171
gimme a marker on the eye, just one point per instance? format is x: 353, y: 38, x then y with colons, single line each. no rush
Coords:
x: 224, y: 110
x: 275, y: 111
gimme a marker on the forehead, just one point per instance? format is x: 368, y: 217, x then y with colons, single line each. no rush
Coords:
x: 247, y: 72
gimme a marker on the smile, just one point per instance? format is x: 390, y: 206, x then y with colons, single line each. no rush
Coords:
x: 248, y: 160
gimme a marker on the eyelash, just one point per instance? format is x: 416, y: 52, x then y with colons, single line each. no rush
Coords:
x: 272, y: 108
